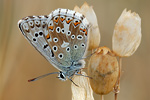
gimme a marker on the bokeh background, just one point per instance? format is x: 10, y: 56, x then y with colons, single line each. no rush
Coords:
x: 19, y: 61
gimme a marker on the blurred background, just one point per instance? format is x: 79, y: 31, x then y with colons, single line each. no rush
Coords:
x: 19, y: 61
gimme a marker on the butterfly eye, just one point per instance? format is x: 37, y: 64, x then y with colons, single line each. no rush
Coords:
x: 60, y: 56
x: 62, y: 76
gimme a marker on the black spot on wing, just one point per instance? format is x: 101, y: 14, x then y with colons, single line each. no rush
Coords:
x: 31, y: 17
x: 45, y: 46
x: 52, y: 53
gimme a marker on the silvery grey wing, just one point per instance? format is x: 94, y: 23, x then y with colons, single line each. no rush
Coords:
x: 34, y: 28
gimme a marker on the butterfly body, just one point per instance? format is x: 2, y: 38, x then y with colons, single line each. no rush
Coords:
x: 61, y: 37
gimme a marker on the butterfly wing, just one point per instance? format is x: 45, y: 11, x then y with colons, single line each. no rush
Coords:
x: 68, y: 31
x: 34, y: 28
x: 60, y: 37
x: 79, y: 29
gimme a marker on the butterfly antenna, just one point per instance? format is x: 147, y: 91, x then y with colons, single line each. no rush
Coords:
x: 42, y: 76
x: 88, y: 56
x: 73, y: 82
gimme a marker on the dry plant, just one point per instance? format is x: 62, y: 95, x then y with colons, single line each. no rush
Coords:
x: 126, y: 39
x: 94, y: 33
x: 103, y: 66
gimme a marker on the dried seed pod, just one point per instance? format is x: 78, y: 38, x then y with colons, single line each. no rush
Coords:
x: 94, y: 33
x: 103, y: 68
x: 127, y: 34
x: 83, y: 91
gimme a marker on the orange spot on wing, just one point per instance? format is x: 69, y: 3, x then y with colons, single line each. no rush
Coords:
x: 47, y: 36
x: 62, y: 19
x: 76, y: 23
x: 68, y: 21
x: 51, y: 27
x: 56, y: 20
x: 84, y: 30
x: 86, y: 33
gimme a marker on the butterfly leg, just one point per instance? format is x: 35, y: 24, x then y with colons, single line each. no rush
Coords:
x: 73, y: 82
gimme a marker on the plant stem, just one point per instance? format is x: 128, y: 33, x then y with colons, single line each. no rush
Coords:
x: 117, y: 86
x: 102, y: 97
x: 116, y: 96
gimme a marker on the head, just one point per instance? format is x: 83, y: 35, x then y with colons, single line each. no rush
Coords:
x: 62, y: 76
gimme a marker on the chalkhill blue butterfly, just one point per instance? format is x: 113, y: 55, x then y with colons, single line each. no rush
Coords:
x: 61, y: 37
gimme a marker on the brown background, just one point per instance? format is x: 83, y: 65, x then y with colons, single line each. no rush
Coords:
x: 19, y: 61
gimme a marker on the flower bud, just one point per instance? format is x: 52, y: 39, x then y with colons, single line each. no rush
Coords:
x: 93, y: 32
x: 127, y: 34
x: 104, y: 70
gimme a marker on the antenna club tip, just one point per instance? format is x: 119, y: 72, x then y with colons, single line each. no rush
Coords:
x: 31, y: 80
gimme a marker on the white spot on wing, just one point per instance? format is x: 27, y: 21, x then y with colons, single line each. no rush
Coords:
x: 65, y: 44
x: 85, y: 22
x: 70, y: 13
x: 60, y: 56
x: 55, y: 12
x: 25, y: 26
x: 63, y: 11
x: 78, y: 15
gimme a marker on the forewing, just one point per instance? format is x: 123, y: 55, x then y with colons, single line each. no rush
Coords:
x: 34, y: 28
x: 68, y: 31
x: 61, y: 37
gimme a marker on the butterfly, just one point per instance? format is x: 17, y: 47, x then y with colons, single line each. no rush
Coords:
x: 61, y: 37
